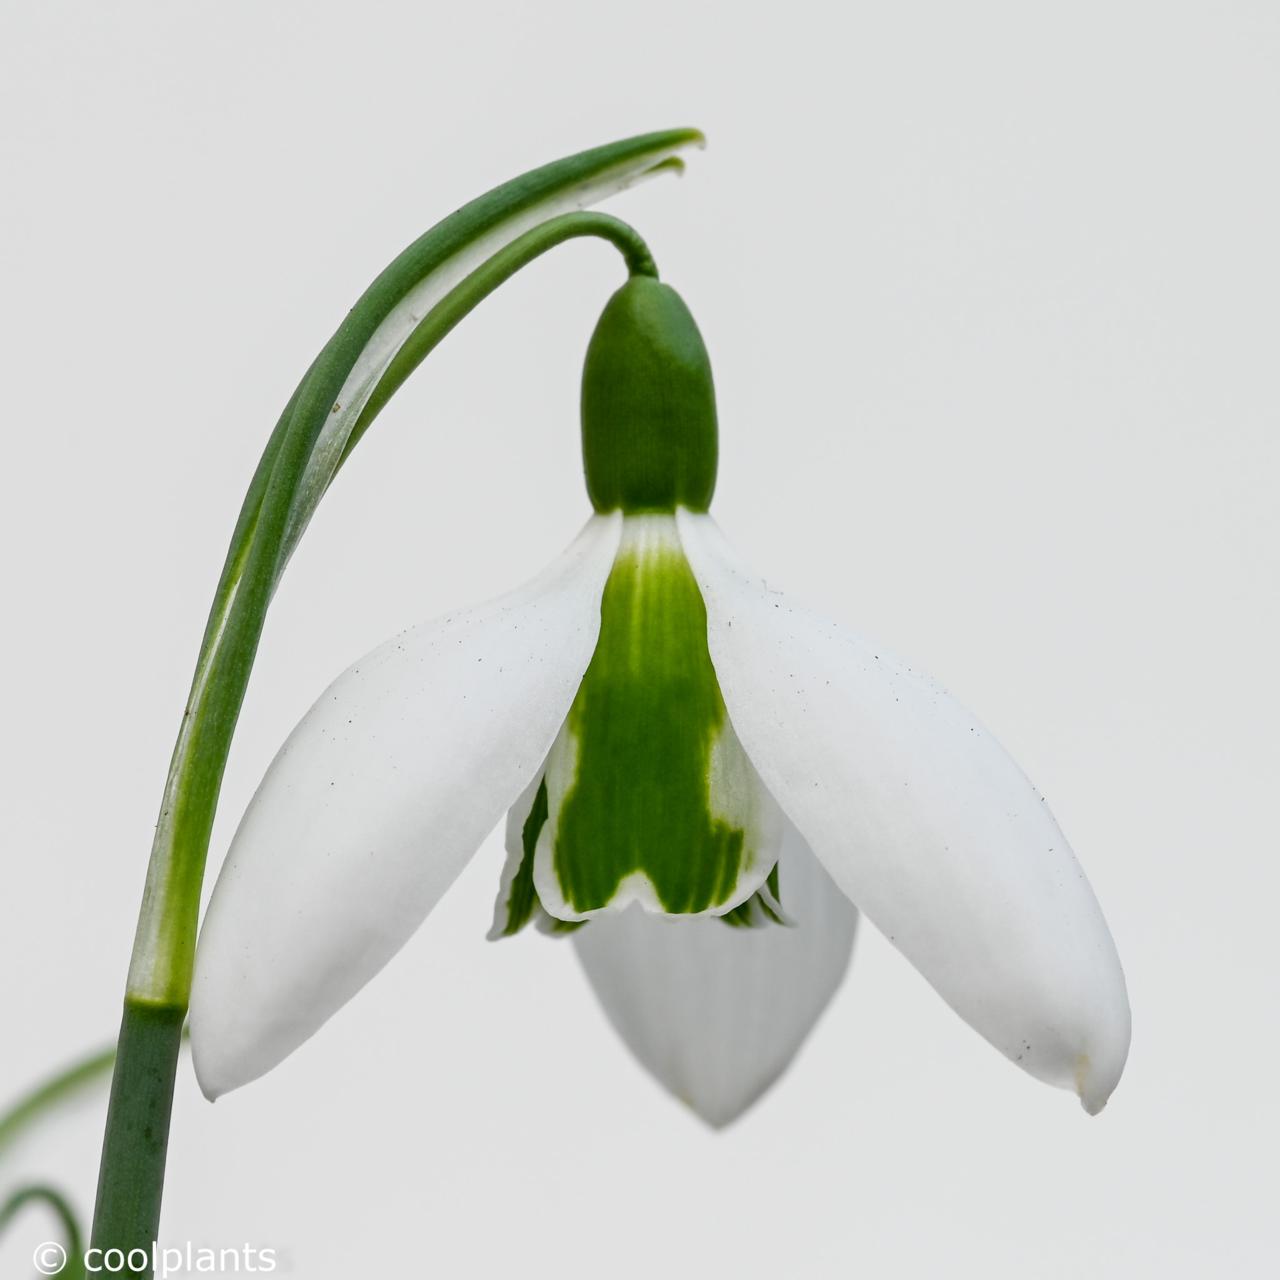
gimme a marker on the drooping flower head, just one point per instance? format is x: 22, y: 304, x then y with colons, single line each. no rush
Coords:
x: 703, y: 783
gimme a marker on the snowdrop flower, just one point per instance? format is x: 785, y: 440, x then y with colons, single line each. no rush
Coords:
x: 704, y: 783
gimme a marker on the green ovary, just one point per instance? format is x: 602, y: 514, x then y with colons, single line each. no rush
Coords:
x: 647, y: 778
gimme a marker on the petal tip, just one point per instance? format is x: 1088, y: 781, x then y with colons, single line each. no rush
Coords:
x: 209, y: 1086
x: 222, y: 1057
x: 1094, y: 1087
x: 717, y: 1120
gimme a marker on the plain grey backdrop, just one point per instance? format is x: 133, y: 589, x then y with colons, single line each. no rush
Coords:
x: 993, y: 296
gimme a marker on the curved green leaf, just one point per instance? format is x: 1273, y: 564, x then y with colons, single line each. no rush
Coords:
x: 68, y: 1259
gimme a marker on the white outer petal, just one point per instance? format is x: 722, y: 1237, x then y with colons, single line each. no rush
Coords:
x: 377, y: 801
x: 717, y: 1013
x: 925, y: 822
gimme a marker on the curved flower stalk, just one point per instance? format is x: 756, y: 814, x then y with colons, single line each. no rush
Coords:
x: 703, y: 783
x: 407, y: 310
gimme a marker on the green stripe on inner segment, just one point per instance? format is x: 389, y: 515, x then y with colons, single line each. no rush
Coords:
x: 757, y: 910
x: 641, y: 738
x: 522, y: 898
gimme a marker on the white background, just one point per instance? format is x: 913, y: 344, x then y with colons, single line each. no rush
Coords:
x: 993, y: 295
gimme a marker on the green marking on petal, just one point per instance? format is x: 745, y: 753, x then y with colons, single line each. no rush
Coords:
x: 518, y: 901
x: 522, y: 897
x: 651, y: 796
x: 764, y: 907
x: 742, y: 916
x: 559, y: 928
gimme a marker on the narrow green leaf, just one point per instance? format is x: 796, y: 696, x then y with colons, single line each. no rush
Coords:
x: 49, y: 1093
x: 66, y: 1261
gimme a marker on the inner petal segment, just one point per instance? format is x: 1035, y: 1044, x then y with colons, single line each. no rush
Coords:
x: 650, y: 796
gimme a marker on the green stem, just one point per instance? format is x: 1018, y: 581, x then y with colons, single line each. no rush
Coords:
x: 131, y: 1176
x: 47, y: 1095
x: 73, y: 1266
x: 305, y: 450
